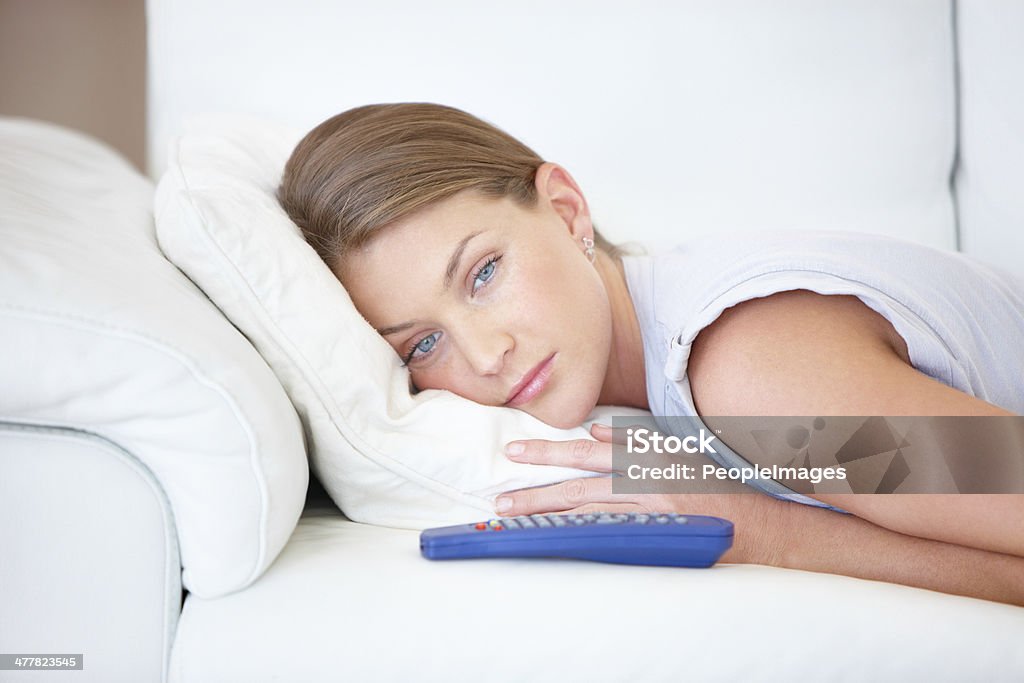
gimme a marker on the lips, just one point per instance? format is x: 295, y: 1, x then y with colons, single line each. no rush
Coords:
x: 532, y: 383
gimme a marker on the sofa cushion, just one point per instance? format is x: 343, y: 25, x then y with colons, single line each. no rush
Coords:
x: 102, y: 334
x: 364, y: 595
x: 677, y: 118
x: 385, y: 455
x: 988, y: 181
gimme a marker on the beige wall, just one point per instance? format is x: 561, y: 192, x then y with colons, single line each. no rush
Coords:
x: 79, y: 63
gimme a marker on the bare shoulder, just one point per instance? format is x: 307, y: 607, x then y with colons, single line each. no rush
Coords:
x: 802, y: 353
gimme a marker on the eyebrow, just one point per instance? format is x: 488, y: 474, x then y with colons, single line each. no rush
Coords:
x: 453, y: 262
x: 449, y: 274
x: 385, y: 331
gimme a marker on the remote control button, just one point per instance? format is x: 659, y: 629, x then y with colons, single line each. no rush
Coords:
x: 578, y: 521
x: 480, y: 526
x: 589, y: 518
x: 681, y: 520
x: 512, y: 524
x: 556, y: 520
x: 641, y: 519
x: 542, y: 521
x: 528, y: 523
x: 661, y: 520
x: 608, y: 520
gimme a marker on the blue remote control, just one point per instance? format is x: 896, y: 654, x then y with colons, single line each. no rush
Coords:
x: 633, y: 538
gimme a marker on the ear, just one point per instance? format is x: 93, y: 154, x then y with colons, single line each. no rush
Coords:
x: 557, y: 189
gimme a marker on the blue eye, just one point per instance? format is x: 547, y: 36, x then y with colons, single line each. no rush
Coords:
x: 423, y: 347
x: 484, y: 275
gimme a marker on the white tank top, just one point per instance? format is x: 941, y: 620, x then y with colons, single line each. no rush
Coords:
x: 962, y: 321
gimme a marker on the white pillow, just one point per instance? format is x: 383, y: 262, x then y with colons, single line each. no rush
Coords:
x: 99, y: 333
x: 385, y: 456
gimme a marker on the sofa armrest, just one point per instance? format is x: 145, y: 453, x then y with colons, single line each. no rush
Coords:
x: 89, y: 562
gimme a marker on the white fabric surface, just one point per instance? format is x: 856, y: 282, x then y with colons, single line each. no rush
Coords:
x: 989, y: 177
x: 89, y: 560
x: 100, y: 333
x: 386, y: 456
x: 677, y: 118
x: 353, y: 602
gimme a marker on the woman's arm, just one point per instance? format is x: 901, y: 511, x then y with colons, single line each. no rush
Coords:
x: 800, y: 353
x: 819, y: 540
x: 775, y: 532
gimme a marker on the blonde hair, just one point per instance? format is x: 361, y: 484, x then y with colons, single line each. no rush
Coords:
x: 363, y: 169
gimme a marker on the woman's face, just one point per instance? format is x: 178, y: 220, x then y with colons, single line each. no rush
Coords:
x: 492, y: 301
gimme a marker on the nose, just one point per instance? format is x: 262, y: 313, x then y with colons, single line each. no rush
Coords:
x: 486, y: 349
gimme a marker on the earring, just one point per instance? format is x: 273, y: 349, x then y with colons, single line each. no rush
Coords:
x: 588, y: 249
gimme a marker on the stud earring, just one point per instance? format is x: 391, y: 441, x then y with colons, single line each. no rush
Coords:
x: 588, y: 249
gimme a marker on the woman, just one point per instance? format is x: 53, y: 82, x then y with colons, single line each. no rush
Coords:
x: 479, y: 263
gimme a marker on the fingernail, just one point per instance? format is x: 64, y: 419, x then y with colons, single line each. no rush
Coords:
x: 503, y: 504
x: 515, y: 448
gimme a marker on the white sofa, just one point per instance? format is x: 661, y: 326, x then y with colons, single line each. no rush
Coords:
x: 154, y: 511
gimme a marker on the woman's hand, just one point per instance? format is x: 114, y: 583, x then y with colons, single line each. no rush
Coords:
x: 751, y: 512
x: 774, y: 532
